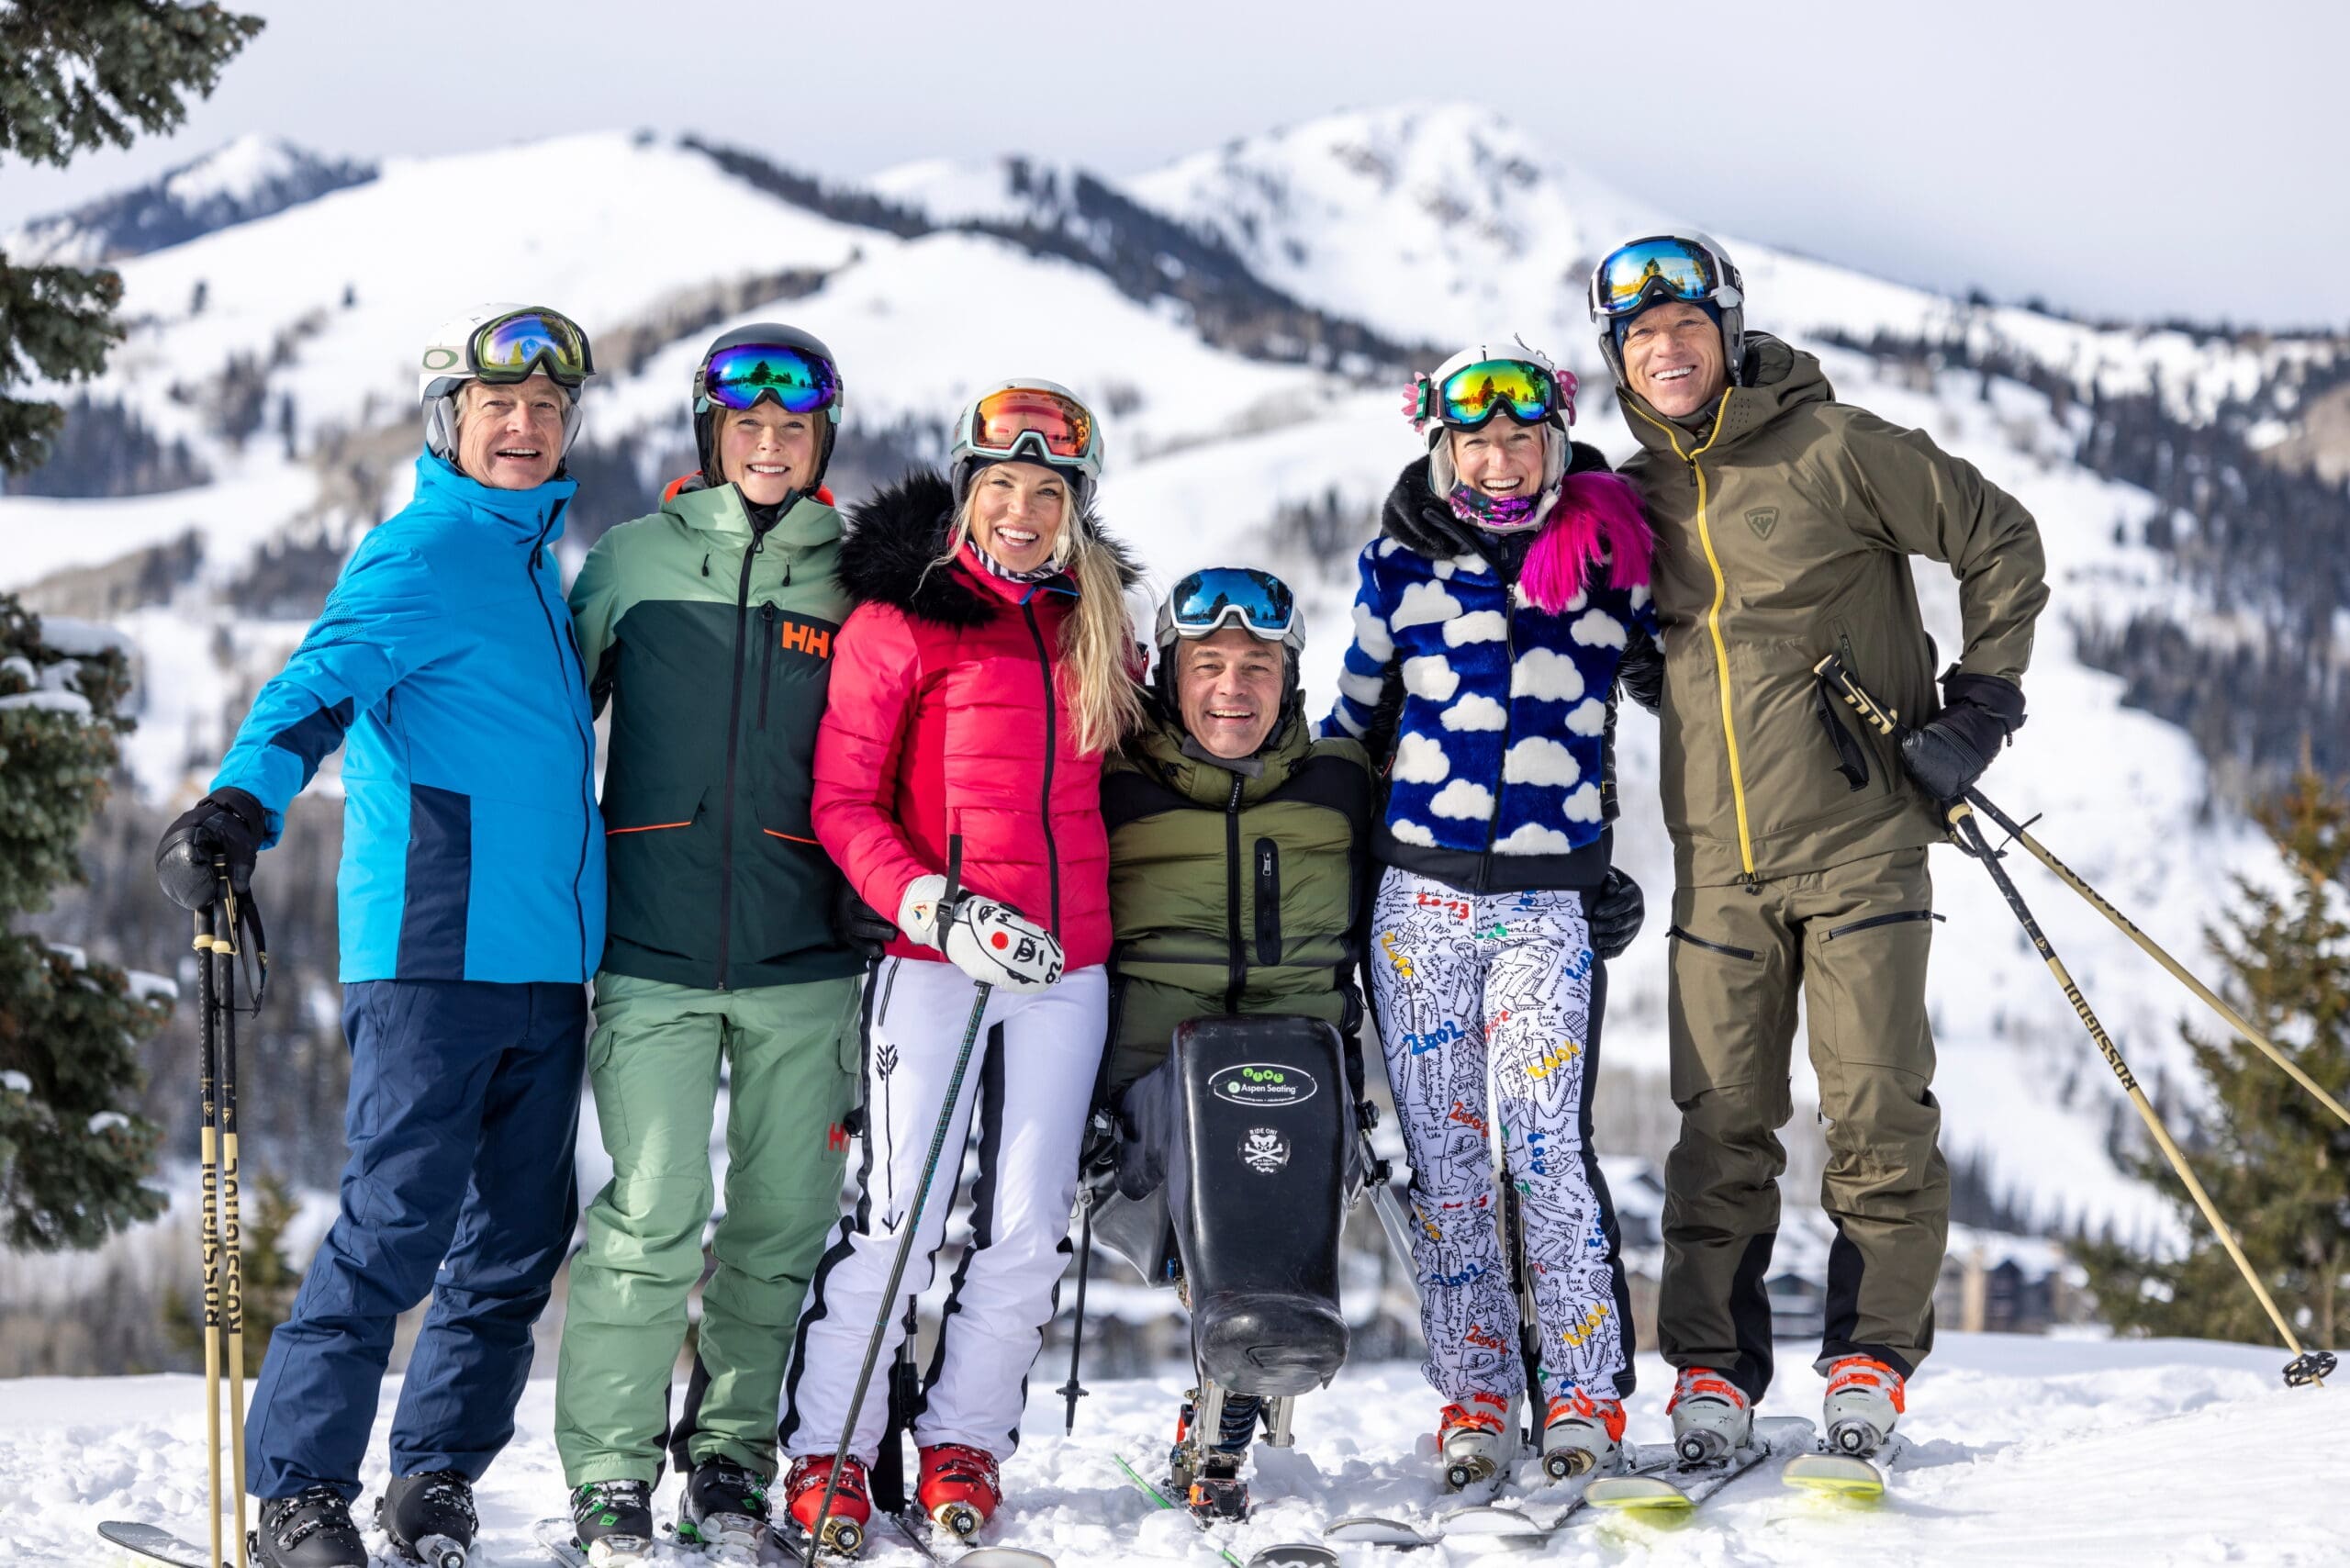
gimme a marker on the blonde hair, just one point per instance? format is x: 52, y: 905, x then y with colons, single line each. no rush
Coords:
x: 1097, y: 683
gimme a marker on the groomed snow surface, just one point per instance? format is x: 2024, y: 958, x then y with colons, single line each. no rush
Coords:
x: 2026, y: 1451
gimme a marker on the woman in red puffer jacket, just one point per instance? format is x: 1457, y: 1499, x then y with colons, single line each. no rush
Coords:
x: 975, y: 689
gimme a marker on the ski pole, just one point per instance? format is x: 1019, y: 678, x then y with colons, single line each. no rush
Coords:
x: 233, y: 1261
x: 912, y: 1220
x: 208, y: 1150
x: 1073, y: 1390
x: 2307, y: 1366
x: 2122, y: 923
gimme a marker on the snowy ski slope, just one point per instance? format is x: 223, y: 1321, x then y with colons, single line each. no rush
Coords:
x: 2030, y: 1452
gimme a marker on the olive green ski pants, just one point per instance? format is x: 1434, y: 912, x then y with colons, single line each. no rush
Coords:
x: 1852, y: 939
x: 790, y: 1051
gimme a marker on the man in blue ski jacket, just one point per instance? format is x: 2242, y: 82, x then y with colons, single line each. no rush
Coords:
x: 471, y: 912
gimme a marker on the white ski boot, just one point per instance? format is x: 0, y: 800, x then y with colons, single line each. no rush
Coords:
x: 1864, y: 1398
x: 1583, y: 1436
x: 1473, y: 1440
x: 1711, y: 1420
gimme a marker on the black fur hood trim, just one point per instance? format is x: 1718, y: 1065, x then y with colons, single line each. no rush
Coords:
x: 895, y: 535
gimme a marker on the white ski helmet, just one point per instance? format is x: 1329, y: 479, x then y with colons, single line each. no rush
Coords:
x: 542, y: 338
x: 1443, y: 477
x: 1688, y: 267
x: 1031, y: 420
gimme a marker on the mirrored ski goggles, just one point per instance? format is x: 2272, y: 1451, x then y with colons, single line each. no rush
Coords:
x: 1031, y: 422
x: 737, y: 377
x: 521, y: 344
x: 1471, y: 396
x: 1647, y: 270
x: 1207, y: 600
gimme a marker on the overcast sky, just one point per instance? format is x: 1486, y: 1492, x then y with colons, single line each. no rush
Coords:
x: 2142, y: 160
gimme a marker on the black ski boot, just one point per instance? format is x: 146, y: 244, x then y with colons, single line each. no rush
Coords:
x: 612, y: 1521
x: 310, y: 1530
x: 429, y: 1518
x: 724, y: 1508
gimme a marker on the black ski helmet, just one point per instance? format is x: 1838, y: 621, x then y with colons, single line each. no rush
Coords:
x: 705, y: 412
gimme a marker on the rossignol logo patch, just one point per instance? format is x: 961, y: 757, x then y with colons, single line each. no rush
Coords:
x: 1762, y: 520
x: 1263, y: 1086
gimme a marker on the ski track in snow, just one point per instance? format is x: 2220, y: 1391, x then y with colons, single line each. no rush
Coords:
x: 2024, y: 1452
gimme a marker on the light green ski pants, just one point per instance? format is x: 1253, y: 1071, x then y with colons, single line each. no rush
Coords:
x: 654, y: 1062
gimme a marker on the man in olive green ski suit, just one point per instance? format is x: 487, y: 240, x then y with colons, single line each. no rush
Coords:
x: 709, y: 627
x: 1786, y: 523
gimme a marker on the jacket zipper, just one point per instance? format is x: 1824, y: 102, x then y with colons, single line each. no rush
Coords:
x: 1268, y: 903
x: 767, y: 657
x: 1236, y: 958
x: 734, y: 743
x: 1713, y: 617
x: 1052, y: 745
x: 569, y: 638
x: 1509, y: 714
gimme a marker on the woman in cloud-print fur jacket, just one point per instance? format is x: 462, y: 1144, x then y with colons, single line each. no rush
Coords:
x: 1506, y: 598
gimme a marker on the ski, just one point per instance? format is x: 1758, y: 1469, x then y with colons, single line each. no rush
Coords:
x: 1679, y: 1487
x: 1287, y: 1555
x: 1842, y: 1475
x: 1499, y: 1524
x: 152, y: 1540
x: 556, y: 1537
x: 921, y: 1535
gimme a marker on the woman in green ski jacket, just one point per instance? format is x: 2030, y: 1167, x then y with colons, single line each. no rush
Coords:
x: 709, y: 627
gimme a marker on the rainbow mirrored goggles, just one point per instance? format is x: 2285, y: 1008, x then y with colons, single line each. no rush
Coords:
x: 521, y: 344
x: 1470, y: 398
x: 802, y: 383
x: 1646, y: 271
x: 1259, y: 602
x: 1032, y: 421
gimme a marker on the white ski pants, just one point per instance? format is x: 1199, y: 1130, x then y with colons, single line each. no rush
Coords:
x: 1031, y: 1081
x: 1458, y: 978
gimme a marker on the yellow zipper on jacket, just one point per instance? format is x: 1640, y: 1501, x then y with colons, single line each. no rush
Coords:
x: 1714, y: 614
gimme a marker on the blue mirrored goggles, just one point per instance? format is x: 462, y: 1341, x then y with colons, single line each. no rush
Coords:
x: 1646, y: 271
x: 1259, y: 602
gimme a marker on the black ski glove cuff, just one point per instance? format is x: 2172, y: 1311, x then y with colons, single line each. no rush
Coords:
x: 1948, y: 752
x: 1641, y: 672
x: 859, y: 924
x: 1614, y: 911
x: 227, y: 826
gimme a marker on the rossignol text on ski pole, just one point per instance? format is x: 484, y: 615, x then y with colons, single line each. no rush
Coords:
x: 2309, y: 1367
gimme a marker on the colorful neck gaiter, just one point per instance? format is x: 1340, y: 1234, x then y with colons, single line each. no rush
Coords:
x: 1502, y: 514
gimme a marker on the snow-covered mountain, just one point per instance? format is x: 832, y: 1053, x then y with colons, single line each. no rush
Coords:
x: 249, y: 178
x: 1236, y: 430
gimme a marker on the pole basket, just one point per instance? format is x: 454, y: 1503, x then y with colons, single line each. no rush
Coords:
x: 2309, y: 1366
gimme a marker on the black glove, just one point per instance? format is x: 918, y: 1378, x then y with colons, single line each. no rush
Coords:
x: 1641, y: 672
x: 1948, y: 752
x: 1614, y: 912
x: 226, y: 826
x: 859, y: 924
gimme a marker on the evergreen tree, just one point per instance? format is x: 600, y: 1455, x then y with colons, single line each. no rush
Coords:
x: 2276, y: 1161
x: 72, y: 1163
x: 80, y: 73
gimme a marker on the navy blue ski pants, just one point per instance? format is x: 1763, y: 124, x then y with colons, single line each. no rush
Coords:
x: 464, y: 1104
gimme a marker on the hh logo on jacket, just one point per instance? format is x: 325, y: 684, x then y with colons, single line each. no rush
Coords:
x: 799, y: 637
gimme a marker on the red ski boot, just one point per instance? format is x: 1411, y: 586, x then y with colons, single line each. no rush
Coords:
x: 959, y: 1488
x: 803, y: 1491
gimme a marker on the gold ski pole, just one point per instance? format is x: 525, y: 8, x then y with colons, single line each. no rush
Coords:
x: 2307, y: 1366
x: 2233, y: 1019
x: 207, y: 1024
x: 232, y: 1293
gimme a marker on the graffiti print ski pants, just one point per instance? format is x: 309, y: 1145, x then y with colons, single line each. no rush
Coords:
x: 1457, y: 977
x: 1028, y: 1087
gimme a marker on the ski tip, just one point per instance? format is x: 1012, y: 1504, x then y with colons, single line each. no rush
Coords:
x: 1003, y: 1557
x: 1637, y: 1494
x: 1833, y: 1474
x: 1294, y: 1554
x: 1372, y: 1529
x: 1488, y: 1521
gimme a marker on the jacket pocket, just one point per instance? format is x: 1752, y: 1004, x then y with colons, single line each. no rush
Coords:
x: 1897, y: 918
x: 659, y: 858
x: 1266, y: 866
x: 1675, y: 934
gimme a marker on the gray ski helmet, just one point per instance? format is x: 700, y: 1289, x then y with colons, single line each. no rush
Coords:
x: 1726, y: 296
x: 767, y: 334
